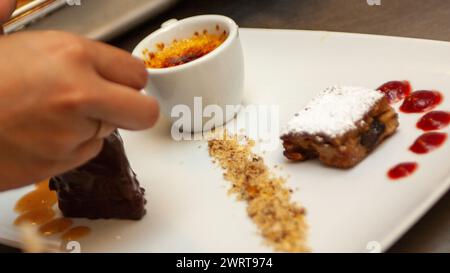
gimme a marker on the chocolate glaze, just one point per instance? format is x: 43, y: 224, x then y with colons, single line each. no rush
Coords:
x: 105, y: 187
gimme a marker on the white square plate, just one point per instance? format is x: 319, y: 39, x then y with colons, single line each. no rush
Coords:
x: 189, y: 209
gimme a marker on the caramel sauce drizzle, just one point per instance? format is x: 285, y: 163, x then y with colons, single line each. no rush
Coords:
x: 75, y: 233
x: 40, y: 198
x: 36, y: 208
x: 35, y: 217
x: 55, y: 226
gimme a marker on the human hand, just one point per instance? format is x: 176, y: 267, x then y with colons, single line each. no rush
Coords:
x: 55, y: 87
x: 6, y: 9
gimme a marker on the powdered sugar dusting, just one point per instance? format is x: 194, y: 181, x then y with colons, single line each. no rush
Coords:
x: 335, y: 111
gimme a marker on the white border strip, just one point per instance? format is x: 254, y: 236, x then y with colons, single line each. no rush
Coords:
x: 27, y: 7
x: 33, y: 16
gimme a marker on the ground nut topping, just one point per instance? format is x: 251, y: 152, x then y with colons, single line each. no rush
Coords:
x: 281, y: 221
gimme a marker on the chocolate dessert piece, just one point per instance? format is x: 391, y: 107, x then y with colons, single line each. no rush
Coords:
x: 105, y: 187
x: 341, y: 126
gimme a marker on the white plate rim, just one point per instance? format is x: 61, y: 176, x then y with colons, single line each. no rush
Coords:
x: 390, y: 238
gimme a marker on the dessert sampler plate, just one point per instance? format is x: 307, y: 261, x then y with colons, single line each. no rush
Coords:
x: 354, y: 210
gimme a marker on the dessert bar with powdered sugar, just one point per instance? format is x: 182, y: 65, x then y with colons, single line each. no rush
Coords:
x: 340, y: 126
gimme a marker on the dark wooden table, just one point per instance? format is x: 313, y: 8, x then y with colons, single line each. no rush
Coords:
x: 408, y: 18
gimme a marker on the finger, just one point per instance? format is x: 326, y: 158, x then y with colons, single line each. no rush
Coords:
x: 84, y: 153
x: 117, y: 65
x: 40, y: 169
x: 78, y: 157
x: 104, y: 130
x: 79, y: 129
x: 123, y: 107
x: 6, y: 9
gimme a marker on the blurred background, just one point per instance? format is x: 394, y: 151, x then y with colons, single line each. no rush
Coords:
x: 106, y: 19
x: 124, y: 23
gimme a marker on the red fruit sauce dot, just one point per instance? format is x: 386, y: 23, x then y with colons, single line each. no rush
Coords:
x: 434, y: 120
x: 395, y: 91
x: 421, y: 101
x: 428, y: 142
x: 402, y: 170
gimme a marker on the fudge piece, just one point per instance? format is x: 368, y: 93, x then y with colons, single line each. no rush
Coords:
x: 105, y: 187
x: 341, y: 126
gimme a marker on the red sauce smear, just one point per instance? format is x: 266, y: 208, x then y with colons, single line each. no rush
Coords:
x: 421, y: 101
x: 395, y: 91
x: 434, y: 121
x: 418, y: 102
x: 428, y: 142
x: 403, y: 170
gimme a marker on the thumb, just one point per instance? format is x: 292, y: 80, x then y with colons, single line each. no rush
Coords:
x: 7, y: 7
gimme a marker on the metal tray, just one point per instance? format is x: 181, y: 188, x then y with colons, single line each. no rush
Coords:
x: 95, y: 19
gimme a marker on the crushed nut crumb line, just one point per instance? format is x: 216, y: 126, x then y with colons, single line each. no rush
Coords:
x: 282, y: 223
